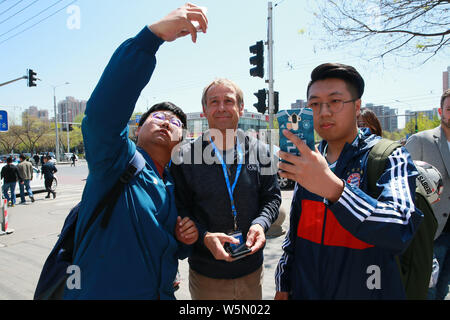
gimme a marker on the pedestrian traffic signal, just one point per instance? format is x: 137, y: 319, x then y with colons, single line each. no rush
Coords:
x: 31, y: 78
x: 257, y: 60
x: 261, y: 104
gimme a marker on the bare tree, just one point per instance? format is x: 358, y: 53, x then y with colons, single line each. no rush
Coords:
x: 30, y: 132
x: 400, y: 27
x: 9, y: 141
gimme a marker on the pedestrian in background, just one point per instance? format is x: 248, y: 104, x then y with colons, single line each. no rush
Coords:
x: 36, y: 159
x: 10, y: 175
x: 48, y: 169
x: 25, y: 170
x: 368, y: 119
x: 73, y: 158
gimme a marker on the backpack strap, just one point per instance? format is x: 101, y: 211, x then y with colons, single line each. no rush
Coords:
x: 135, y: 166
x: 376, y: 163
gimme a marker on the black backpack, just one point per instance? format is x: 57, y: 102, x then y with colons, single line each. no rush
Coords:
x: 416, y: 262
x: 54, y: 273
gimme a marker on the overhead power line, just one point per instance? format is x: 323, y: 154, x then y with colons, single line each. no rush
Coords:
x: 21, y: 24
x: 33, y: 25
x: 15, y: 14
x: 11, y: 7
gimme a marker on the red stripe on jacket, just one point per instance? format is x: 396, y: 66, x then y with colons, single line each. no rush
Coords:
x: 310, y: 227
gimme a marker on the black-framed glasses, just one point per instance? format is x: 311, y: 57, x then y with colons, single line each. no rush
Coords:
x: 161, y: 116
x: 334, y: 105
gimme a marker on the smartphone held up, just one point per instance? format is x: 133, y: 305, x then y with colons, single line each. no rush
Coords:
x: 299, y: 122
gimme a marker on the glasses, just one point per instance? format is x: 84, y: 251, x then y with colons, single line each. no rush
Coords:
x: 161, y: 117
x: 334, y: 106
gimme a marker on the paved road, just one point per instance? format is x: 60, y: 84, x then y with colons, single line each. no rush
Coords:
x: 36, y: 225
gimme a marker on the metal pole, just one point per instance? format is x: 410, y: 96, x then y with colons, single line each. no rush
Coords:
x: 8, y: 82
x: 56, y: 125
x: 270, y: 63
x: 416, y: 128
x: 67, y: 127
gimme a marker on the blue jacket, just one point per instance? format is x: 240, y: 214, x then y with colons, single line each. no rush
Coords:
x: 136, y: 256
x: 346, y: 250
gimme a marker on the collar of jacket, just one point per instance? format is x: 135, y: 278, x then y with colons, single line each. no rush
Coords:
x: 364, y: 141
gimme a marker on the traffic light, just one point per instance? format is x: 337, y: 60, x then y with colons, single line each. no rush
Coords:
x: 261, y: 104
x: 257, y: 60
x: 31, y: 78
x: 275, y: 102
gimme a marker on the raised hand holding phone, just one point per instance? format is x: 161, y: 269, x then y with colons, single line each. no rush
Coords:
x: 180, y: 23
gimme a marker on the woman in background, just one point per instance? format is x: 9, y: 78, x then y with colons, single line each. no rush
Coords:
x: 368, y: 119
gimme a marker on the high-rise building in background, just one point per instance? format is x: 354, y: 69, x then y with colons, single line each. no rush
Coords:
x: 33, y: 111
x: 430, y: 114
x: 70, y: 108
x: 446, y: 79
x: 387, y: 116
x: 298, y: 104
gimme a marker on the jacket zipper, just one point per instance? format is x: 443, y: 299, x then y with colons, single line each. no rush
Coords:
x: 321, y: 248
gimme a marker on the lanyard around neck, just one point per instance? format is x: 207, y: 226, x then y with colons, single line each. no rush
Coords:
x: 227, y: 176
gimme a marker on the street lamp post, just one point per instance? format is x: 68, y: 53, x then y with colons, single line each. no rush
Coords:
x: 56, y: 121
x: 416, y: 129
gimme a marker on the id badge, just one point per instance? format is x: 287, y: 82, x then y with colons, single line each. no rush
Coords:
x: 237, y: 235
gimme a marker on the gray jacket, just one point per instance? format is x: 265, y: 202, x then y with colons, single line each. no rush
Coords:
x: 431, y: 146
x: 25, y: 170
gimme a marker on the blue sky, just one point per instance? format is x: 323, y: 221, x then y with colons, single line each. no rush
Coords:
x: 78, y: 56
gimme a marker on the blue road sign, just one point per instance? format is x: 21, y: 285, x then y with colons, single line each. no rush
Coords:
x: 3, y: 120
x: 138, y: 118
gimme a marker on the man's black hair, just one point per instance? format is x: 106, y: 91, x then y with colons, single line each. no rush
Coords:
x: 168, y: 106
x: 9, y: 160
x: 352, y: 78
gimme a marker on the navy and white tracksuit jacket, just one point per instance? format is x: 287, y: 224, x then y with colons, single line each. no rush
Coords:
x: 346, y: 250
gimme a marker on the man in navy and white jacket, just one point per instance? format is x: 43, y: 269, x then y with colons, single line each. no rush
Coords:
x: 342, y: 242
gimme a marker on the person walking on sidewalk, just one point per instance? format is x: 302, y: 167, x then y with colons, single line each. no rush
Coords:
x: 25, y: 170
x: 48, y: 169
x: 73, y: 158
x: 11, y: 175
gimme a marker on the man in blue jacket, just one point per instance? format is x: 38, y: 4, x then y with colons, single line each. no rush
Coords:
x: 136, y: 256
x: 342, y: 242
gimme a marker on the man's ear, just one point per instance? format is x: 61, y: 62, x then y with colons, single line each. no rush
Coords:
x: 241, y: 109
x: 358, y: 108
x: 136, y: 133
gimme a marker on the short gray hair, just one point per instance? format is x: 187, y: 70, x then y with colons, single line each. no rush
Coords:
x: 227, y: 83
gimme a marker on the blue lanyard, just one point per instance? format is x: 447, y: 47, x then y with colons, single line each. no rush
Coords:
x: 227, y: 177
